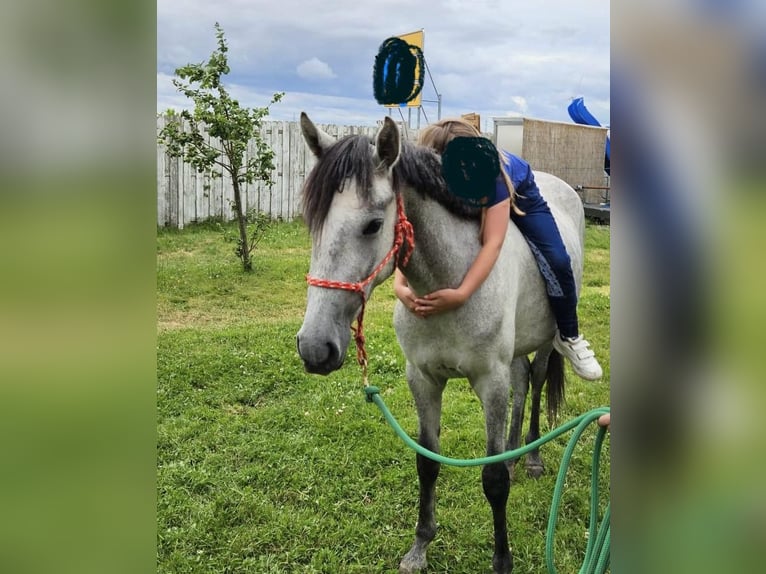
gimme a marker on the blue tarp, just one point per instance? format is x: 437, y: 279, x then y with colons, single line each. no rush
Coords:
x: 580, y: 115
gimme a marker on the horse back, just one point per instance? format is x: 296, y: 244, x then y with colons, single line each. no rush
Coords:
x: 569, y: 214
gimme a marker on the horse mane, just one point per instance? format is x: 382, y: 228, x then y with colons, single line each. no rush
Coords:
x: 352, y: 156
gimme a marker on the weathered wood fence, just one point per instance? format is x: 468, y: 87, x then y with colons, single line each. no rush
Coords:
x: 185, y: 196
x: 573, y: 152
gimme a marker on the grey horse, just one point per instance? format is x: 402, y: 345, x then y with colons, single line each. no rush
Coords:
x: 351, y: 204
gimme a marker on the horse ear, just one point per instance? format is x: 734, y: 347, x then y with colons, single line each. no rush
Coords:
x: 388, y: 144
x: 317, y: 140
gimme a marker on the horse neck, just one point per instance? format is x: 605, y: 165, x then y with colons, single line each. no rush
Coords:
x: 445, y: 245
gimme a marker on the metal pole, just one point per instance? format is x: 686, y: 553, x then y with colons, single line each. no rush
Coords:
x: 438, y: 95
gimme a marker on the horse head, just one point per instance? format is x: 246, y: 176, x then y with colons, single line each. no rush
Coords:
x: 349, y: 206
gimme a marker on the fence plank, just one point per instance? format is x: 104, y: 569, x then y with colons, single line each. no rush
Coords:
x: 276, y: 190
x: 284, y: 169
x: 162, y: 182
x: 264, y: 197
x: 294, y: 168
x: 201, y: 196
x: 173, y: 192
x: 189, y: 192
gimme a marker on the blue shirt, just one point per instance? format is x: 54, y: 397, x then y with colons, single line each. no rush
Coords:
x: 518, y: 171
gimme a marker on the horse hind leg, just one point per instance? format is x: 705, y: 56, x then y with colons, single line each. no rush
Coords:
x: 428, y: 401
x: 520, y: 370
x: 547, y: 366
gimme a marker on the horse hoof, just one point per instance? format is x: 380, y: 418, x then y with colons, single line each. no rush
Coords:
x: 502, y: 564
x: 410, y: 568
x: 535, y: 470
x: 412, y: 562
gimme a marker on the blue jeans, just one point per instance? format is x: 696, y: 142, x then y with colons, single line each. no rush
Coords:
x: 542, y: 234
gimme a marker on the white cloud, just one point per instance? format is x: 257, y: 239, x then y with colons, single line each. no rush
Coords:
x: 521, y: 104
x: 315, y: 69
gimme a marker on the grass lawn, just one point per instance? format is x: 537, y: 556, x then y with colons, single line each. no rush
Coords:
x: 265, y: 469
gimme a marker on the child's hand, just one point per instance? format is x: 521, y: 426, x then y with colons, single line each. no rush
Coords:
x: 439, y: 302
x: 407, y: 297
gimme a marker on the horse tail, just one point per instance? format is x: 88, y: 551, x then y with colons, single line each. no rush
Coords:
x: 554, y: 393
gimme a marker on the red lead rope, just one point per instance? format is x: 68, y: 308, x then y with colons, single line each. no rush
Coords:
x: 403, y: 237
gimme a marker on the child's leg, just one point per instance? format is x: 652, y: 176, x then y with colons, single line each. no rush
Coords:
x: 542, y: 234
x: 544, y: 239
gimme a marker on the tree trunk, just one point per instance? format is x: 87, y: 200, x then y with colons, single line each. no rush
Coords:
x: 247, y: 263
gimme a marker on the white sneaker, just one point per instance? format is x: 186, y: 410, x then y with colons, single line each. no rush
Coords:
x: 580, y: 355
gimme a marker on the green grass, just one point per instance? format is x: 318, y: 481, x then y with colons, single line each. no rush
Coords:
x: 265, y: 469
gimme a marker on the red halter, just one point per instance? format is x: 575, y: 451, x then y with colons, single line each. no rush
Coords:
x: 403, y: 233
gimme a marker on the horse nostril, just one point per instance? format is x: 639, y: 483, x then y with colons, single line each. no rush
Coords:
x: 333, y: 354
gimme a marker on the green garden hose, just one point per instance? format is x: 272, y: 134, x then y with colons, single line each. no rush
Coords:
x: 597, y: 550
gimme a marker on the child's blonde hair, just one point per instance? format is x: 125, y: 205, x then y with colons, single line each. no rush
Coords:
x: 439, y: 134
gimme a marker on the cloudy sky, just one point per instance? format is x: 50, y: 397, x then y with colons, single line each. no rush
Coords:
x: 493, y: 57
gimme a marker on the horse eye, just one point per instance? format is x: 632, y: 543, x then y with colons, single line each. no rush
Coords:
x: 373, y: 227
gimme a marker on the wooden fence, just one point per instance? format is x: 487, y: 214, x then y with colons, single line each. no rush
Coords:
x: 185, y: 196
x: 573, y: 152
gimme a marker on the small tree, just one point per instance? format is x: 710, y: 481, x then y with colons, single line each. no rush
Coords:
x: 221, y: 117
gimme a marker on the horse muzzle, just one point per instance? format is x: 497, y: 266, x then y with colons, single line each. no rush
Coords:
x: 321, y: 355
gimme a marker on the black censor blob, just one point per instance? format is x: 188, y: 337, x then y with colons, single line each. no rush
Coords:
x: 470, y: 166
x: 398, y: 73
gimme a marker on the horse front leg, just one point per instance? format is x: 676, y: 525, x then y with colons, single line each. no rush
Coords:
x: 519, y: 390
x: 428, y: 402
x: 496, y: 479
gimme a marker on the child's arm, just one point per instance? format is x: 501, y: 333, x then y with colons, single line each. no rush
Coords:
x: 495, y: 226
